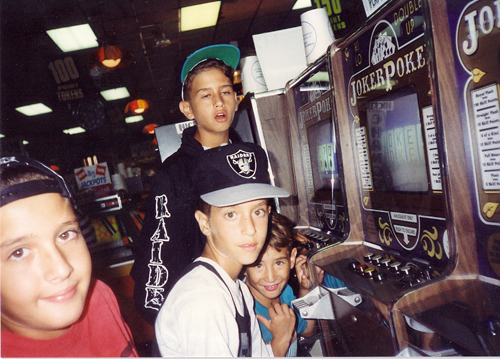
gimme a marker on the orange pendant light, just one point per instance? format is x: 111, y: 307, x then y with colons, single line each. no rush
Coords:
x: 150, y: 129
x: 137, y: 106
x: 109, y: 55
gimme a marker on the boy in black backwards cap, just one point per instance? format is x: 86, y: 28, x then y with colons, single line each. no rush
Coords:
x: 50, y: 305
x: 209, y: 311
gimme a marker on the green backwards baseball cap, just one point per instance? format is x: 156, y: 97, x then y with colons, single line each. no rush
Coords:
x: 230, y: 54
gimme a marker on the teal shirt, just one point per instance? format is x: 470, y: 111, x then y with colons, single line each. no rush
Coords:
x: 285, y: 297
x: 332, y: 282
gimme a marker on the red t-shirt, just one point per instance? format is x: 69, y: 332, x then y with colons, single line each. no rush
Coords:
x: 101, y: 332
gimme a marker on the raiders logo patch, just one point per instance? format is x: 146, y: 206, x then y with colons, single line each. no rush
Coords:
x: 243, y: 163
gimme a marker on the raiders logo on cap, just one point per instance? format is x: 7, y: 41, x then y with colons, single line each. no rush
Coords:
x: 243, y: 180
x: 243, y: 163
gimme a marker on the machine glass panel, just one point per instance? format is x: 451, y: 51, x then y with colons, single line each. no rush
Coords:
x: 312, y: 108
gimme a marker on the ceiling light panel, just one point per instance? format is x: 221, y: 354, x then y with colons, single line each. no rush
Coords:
x: 74, y: 38
x: 133, y: 119
x: 199, y: 16
x: 74, y: 130
x: 33, y: 110
x: 115, y: 94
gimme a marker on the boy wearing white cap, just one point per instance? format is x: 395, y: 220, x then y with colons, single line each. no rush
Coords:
x: 209, y: 311
x: 170, y: 238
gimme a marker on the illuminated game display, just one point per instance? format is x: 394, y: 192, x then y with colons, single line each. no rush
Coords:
x: 397, y: 157
x: 324, y: 166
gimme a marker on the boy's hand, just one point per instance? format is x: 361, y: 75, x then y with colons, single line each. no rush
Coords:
x: 281, y: 326
x: 304, y: 276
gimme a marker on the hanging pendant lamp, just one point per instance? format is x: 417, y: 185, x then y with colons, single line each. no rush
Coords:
x: 109, y: 55
x: 137, y: 106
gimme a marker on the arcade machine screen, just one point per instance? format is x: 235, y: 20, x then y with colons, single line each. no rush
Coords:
x: 323, y: 203
x: 323, y: 161
x: 396, y: 143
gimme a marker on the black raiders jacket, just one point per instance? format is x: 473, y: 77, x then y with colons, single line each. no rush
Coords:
x: 170, y: 238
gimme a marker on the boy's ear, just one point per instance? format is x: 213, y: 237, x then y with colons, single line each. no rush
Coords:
x: 186, y: 109
x: 236, y: 99
x: 293, y: 256
x: 203, y: 222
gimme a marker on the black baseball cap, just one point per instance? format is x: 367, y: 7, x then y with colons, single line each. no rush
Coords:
x: 234, y: 174
x: 31, y: 188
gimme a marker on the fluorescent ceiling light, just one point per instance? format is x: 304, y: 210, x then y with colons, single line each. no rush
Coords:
x: 199, y: 16
x: 33, y: 110
x: 73, y: 131
x: 133, y: 119
x: 74, y: 38
x: 115, y: 94
x: 301, y: 4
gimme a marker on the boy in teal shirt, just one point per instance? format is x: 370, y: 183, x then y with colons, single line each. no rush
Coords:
x: 267, y: 280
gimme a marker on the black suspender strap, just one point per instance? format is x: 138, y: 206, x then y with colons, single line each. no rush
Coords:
x: 244, y: 326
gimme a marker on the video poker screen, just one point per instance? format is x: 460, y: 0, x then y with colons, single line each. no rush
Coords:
x: 323, y: 157
x: 396, y: 143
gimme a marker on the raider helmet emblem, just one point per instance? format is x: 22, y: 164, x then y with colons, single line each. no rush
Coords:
x: 243, y: 163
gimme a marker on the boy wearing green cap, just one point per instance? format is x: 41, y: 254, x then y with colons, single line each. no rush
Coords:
x: 170, y: 238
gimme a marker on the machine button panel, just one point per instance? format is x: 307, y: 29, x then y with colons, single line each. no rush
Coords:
x: 386, y: 268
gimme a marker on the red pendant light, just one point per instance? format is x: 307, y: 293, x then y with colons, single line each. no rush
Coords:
x: 137, y: 106
x: 109, y: 55
x: 150, y: 129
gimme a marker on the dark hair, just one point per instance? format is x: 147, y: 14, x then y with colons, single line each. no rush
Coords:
x: 204, y: 207
x: 13, y: 175
x: 205, y: 65
x: 280, y: 234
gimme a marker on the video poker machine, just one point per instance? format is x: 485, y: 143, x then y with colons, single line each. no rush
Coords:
x: 314, y: 150
x: 464, y: 308
x: 418, y: 161
x: 398, y: 238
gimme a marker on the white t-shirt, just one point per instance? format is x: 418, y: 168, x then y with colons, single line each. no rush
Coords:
x: 198, y: 317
